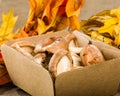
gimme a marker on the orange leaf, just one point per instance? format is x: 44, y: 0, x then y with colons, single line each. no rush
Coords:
x: 46, y: 14
x: 73, y: 7
x: 22, y: 34
x: 74, y: 23
x: 55, y: 10
x: 62, y: 23
x: 61, y: 10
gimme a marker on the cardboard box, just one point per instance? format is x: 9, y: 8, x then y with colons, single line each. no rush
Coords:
x: 97, y: 80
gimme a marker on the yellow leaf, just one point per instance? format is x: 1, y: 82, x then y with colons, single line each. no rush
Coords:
x: 98, y: 36
x: 116, y: 12
x: 8, y: 23
x: 117, y: 35
x: 108, y: 27
x: 41, y: 27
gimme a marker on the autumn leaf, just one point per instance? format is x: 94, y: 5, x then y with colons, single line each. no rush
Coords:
x: 116, y: 12
x: 104, y: 26
x: 46, y: 14
x: 62, y: 23
x: 20, y: 34
x: 6, y: 29
x: 73, y: 8
x: 55, y: 18
x: 74, y: 23
x: 53, y: 15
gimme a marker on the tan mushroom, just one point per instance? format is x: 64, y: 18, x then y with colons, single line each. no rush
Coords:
x: 25, y: 47
x: 43, y: 44
x: 56, y: 44
x: 90, y: 54
x: 40, y: 58
x: 60, y: 62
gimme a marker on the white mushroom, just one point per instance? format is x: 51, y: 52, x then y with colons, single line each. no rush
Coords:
x: 75, y: 51
x: 63, y: 65
x: 76, y: 60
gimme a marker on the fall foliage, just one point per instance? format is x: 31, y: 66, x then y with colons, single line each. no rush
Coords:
x: 104, y: 26
x: 6, y: 29
x: 52, y: 15
x: 44, y: 16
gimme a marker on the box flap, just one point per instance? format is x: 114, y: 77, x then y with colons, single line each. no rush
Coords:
x: 26, y: 74
x: 96, y: 80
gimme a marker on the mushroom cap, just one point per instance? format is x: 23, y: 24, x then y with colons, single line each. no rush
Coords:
x: 42, y: 45
x: 90, y: 54
x: 53, y: 44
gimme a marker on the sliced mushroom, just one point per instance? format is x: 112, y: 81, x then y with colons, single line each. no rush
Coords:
x: 71, y: 40
x: 75, y: 51
x: 43, y: 44
x: 76, y: 60
x: 90, y: 54
x: 40, y: 58
x: 57, y: 59
x: 56, y: 44
x: 24, y: 47
x: 59, y: 43
x: 64, y: 65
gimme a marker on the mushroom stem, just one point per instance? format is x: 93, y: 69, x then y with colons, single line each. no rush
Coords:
x: 55, y: 59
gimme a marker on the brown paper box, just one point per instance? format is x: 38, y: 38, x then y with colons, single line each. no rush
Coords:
x: 97, y: 80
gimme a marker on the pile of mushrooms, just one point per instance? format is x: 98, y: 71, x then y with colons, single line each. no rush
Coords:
x: 60, y: 54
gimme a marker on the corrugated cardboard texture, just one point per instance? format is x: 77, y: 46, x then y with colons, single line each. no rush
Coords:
x: 97, y: 80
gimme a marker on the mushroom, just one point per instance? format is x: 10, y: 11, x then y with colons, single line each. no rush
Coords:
x: 58, y: 46
x: 43, y: 44
x: 90, y: 54
x: 55, y: 43
x: 60, y: 62
x: 39, y: 58
x: 75, y: 51
x: 76, y: 60
x: 25, y: 47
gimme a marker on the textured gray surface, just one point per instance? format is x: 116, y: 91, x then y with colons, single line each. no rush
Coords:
x: 21, y: 8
